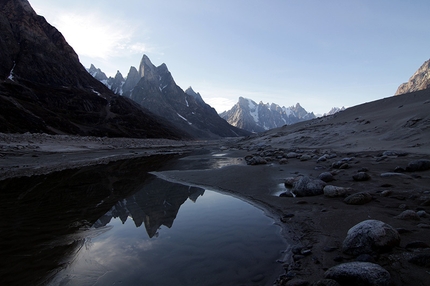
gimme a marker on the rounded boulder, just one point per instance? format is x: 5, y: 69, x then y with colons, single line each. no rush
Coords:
x: 370, y: 236
x: 359, y: 274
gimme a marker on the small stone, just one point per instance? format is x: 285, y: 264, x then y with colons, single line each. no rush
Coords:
x: 361, y: 176
x: 386, y: 193
x: 358, y: 198
x: 422, y: 213
x: 305, y: 158
x: 408, y: 215
x: 333, y: 191
x: 326, y: 177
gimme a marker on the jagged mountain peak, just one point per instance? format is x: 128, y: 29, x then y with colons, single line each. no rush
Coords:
x: 155, y: 89
x: 249, y: 115
x: 44, y: 87
x: 190, y: 91
x: 418, y: 81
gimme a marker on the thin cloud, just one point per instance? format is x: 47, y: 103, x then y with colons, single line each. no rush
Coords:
x: 95, y: 36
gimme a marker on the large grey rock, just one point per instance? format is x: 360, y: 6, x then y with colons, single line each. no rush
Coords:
x: 359, y: 274
x: 305, y: 186
x: 370, y: 236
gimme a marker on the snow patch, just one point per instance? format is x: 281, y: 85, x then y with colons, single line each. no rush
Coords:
x: 253, y: 110
x: 184, y: 118
x: 10, y: 77
x: 186, y: 101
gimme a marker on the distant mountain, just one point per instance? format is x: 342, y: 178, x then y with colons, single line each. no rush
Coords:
x: 249, y: 115
x: 44, y: 87
x: 113, y: 83
x: 334, y: 110
x: 155, y: 89
x: 419, y: 80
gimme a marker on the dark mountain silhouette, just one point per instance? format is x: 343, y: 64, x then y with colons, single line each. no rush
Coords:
x: 155, y: 89
x: 44, y: 87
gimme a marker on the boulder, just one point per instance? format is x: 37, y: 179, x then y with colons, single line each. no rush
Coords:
x: 358, y: 198
x: 305, y: 186
x: 333, y: 191
x: 418, y: 165
x: 359, y: 274
x: 370, y: 236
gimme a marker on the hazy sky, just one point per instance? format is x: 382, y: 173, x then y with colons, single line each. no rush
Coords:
x: 319, y: 53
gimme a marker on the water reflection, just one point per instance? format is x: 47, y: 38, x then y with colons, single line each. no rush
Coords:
x: 156, y: 204
x: 44, y: 218
x: 112, y: 224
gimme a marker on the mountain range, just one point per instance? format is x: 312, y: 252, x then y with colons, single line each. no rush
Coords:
x: 155, y: 89
x: 44, y: 87
x: 249, y: 115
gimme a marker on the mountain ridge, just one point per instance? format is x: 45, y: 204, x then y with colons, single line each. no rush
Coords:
x: 44, y: 87
x: 154, y: 88
x: 249, y: 115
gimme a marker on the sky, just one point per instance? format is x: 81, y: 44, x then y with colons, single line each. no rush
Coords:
x: 321, y: 54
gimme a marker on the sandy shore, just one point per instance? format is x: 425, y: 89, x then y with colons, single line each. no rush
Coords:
x: 36, y: 154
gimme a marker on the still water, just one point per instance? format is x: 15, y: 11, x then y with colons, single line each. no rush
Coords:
x: 118, y: 225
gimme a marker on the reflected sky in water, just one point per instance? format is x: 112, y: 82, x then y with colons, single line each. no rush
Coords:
x: 216, y: 240
x: 117, y: 224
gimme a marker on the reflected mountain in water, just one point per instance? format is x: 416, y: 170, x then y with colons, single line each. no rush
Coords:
x: 44, y: 219
x: 156, y: 204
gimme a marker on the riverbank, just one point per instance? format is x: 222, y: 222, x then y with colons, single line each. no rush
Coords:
x: 314, y: 226
x: 37, y: 154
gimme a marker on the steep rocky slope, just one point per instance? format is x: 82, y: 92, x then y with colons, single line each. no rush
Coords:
x: 419, y: 80
x: 44, y: 88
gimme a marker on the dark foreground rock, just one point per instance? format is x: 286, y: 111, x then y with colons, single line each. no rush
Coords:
x: 305, y: 186
x: 358, y: 198
x: 418, y: 165
x: 370, y: 236
x: 359, y: 274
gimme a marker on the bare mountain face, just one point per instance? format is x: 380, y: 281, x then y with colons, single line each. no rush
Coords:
x: 249, y: 115
x: 44, y: 87
x: 155, y: 89
x: 419, y: 80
